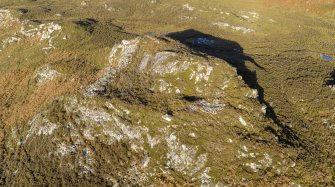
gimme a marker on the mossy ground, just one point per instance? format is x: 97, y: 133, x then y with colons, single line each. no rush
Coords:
x: 287, y: 43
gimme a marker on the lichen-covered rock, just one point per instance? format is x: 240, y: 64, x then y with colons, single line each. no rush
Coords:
x: 46, y: 74
x: 195, y: 120
x: 27, y: 29
x: 7, y: 19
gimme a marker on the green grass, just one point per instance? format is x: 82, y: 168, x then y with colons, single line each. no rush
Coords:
x: 292, y: 81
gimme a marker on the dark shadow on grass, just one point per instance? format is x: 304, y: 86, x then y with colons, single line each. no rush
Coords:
x: 87, y: 23
x: 23, y: 10
x: 331, y: 79
x: 232, y: 52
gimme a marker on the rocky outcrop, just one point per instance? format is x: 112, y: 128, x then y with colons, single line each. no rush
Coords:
x: 153, y: 113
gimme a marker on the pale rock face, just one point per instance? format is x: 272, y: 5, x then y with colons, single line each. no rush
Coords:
x: 188, y: 7
x: 45, y: 32
x: 7, y: 19
x: 183, y: 158
x: 255, y: 167
x: 264, y: 108
x: 123, y: 53
x: 98, y: 120
x: 242, y: 121
x: 64, y: 149
x: 206, y: 179
x: 159, y: 64
x: 187, y: 17
x: 249, y: 15
x: 119, y: 58
x: 163, y: 85
x: 167, y: 117
x: 193, y: 135
x: 207, y: 107
x: 261, y: 161
x: 203, y: 73
x: 332, y: 87
x: 168, y: 63
x: 254, y: 15
x: 100, y: 85
x: 93, y: 123
x: 151, y: 139
x: 244, y: 148
x: 267, y: 161
x: 235, y: 28
x: 146, y: 161
x: 262, y: 164
x: 144, y: 62
x: 83, y: 3
x: 243, y: 29
x: 109, y: 8
x: 9, y: 41
x: 221, y: 24
x: 98, y: 116
x: 40, y: 125
x: 48, y: 29
x: 45, y: 75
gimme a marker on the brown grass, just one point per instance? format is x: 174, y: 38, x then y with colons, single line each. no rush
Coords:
x: 18, y: 105
x: 44, y: 94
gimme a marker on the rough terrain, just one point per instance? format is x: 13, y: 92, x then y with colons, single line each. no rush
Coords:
x: 167, y: 93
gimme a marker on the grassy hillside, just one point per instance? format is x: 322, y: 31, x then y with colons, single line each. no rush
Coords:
x: 175, y: 93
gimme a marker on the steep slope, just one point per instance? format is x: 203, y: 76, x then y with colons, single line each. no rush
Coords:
x: 157, y: 113
x: 177, y: 93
